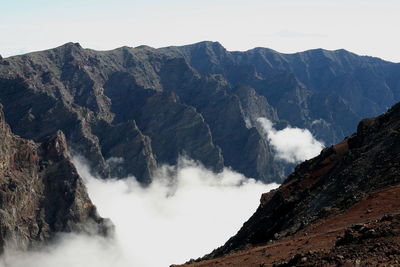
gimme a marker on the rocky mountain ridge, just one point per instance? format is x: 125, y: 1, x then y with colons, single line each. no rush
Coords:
x: 129, y: 110
x: 41, y: 192
x: 338, y: 203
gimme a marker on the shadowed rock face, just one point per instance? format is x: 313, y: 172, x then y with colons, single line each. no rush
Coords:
x: 147, y: 106
x: 347, y: 173
x: 40, y: 191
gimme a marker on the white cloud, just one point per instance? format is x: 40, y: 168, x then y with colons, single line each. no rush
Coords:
x: 185, y: 213
x: 291, y: 144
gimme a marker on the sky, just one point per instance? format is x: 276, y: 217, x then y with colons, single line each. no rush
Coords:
x: 366, y: 27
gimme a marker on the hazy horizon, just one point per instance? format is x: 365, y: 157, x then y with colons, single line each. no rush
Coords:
x: 364, y: 27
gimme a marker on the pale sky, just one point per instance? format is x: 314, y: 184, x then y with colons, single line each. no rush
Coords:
x: 366, y: 27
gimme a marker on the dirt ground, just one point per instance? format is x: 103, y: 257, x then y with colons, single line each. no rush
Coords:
x: 317, y: 241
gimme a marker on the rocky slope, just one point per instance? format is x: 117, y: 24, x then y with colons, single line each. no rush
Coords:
x: 332, y: 210
x: 131, y: 109
x: 40, y: 191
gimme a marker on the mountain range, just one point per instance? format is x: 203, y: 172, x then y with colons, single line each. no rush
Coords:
x: 129, y: 110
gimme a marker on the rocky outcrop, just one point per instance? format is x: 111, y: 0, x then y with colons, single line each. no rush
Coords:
x: 359, y: 175
x: 41, y: 192
x: 198, y: 100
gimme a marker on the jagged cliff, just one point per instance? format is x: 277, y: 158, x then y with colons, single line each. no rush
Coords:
x: 130, y: 109
x: 339, y: 203
x: 40, y: 191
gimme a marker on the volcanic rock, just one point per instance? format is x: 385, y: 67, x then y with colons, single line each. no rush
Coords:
x: 197, y: 100
x: 342, y: 202
x: 41, y: 193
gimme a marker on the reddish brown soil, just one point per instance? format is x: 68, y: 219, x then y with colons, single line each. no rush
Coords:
x: 320, y: 238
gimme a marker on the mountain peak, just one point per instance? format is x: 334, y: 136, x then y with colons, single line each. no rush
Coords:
x: 70, y: 48
x: 211, y: 46
x: 56, y: 146
x: 144, y: 47
x: 72, y: 44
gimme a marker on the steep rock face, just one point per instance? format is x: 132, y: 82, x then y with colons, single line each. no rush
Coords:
x: 125, y: 140
x: 74, y: 88
x: 350, y: 172
x: 230, y: 116
x: 291, y: 82
x: 200, y: 100
x: 40, y: 191
x: 174, y: 128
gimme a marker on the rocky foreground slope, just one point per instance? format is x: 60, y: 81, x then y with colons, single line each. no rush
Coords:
x: 342, y: 207
x: 40, y: 191
x: 130, y: 109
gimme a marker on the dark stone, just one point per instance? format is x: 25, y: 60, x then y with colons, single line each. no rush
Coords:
x: 332, y: 182
x: 40, y: 191
x: 200, y: 100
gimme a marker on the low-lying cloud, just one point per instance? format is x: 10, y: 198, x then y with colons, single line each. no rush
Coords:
x: 185, y: 213
x: 291, y: 144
